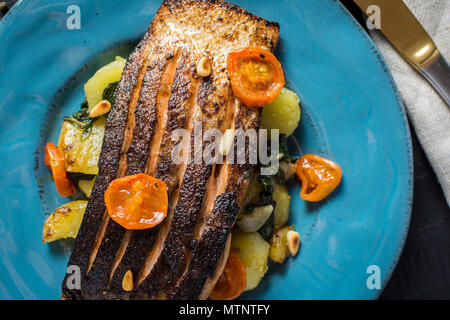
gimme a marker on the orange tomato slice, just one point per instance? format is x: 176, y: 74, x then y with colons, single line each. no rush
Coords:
x: 232, y: 281
x: 319, y: 177
x: 55, y: 162
x: 137, y: 202
x: 256, y: 76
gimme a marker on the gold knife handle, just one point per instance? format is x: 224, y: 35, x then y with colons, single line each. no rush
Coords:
x: 408, y: 36
x: 438, y: 73
x: 403, y: 30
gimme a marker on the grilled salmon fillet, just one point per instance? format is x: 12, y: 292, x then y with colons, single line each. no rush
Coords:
x: 160, y: 92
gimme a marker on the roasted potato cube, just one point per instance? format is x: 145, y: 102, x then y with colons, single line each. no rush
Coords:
x: 279, y: 249
x: 94, y: 87
x: 282, y: 198
x: 64, y: 222
x: 283, y: 113
x: 86, y: 186
x: 253, y: 251
x: 80, y: 149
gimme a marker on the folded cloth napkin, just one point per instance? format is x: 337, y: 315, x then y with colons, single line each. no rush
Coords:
x: 426, y: 110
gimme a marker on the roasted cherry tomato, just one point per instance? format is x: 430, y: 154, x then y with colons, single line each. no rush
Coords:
x: 55, y: 162
x: 137, y: 202
x: 318, y: 175
x: 256, y: 76
x: 232, y: 281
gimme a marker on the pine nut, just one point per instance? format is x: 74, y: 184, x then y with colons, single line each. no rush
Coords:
x: 293, y: 241
x: 100, y: 109
x: 226, y: 142
x: 204, y: 67
x: 127, y: 281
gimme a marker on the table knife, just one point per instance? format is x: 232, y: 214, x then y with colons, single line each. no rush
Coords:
x: 407, y: 35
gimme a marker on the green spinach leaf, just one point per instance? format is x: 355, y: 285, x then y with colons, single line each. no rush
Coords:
x: 108, y: 92
x: 266, y: 230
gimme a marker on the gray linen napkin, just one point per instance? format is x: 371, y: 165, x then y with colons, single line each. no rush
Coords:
x: 426, y: 110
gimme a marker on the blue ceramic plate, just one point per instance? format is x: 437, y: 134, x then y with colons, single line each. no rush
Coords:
x: 351, y: 114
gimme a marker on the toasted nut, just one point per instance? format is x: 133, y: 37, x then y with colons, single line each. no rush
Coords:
x: 204, y: 67
x: 293, y: 242
x: 100, y: 109
x: 127, y: 281
x: 288, y: 169
x: 226, y: 142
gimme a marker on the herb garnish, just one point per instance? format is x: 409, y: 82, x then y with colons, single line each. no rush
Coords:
x: 285, y: 151
x: 266, y: 230
x: 267, y: 183
x: 108, y: 92
x: 81, y: 120
x: 265, y: 196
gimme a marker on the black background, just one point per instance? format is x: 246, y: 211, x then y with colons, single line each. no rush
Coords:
x: 423, y: 271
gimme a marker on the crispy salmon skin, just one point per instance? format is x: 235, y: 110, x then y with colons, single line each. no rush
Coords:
x: 160, y: 92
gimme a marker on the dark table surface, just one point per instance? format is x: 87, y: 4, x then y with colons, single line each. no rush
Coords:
x: 423, y: 271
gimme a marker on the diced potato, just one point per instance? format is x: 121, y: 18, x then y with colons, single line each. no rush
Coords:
x: 93, y: 89
x: 86, y: 186
x: 64, y: 222
x: 282, y: 198
x: 283, y: 113
x: 253, y: 251
x: 252, y: 222
x: 279, y: 249
x: 81, y: 152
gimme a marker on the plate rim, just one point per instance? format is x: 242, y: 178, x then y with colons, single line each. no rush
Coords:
x: 406, y: 127
x: 406, y: 215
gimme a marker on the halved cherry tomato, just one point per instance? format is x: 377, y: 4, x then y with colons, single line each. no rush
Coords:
x: 55, y: 162
x: 319, y: 177
x: 232, y: 281
x: 256, y: 76
x: 137, y: 202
